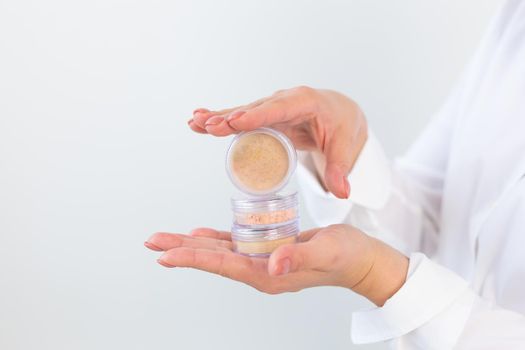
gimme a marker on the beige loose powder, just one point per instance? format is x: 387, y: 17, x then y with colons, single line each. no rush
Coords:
x: 259, y: 161
x: 262, y: 247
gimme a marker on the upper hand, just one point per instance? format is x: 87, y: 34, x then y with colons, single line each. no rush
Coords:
x: 321, y: 121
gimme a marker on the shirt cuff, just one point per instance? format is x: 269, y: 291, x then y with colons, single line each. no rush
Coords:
x: 369, y: 180
x: 430, y: 309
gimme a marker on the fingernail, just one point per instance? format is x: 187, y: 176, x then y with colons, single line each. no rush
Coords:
x: 163, y: 263
x: 235, y: 115
x: 214, y: 120
x: 152, y: 246
x: 346, y: 185
x: 200, y: 111
x: 285, y: 266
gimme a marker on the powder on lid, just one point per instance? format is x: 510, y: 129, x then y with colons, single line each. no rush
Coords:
x: 259, y: 161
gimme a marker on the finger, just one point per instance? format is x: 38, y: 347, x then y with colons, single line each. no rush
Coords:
x: 227, y: 264
x: 308, y: 234
x: 210, y: 233
x: 218, y: 126
x: 316, y: 254
x: 193, y: 126
x: 202, y: 115
x: 152, y: 246
x: 166, y: 241
x: 281, y: 108
x: 266, y: 114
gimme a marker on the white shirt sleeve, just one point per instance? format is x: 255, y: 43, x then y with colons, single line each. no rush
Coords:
x: 435, y: 309
x: 399, y: 203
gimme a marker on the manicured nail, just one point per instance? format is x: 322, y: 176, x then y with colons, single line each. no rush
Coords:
x: 163, y: 263
x: 235, y: 115
x: 285, y: 266
x: 200, y: 111
x: 152, y: 246
x: 346, y: 185
x: 214, y: 120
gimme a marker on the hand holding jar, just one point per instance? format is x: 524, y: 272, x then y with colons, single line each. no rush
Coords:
x: 265, y: 249
x: 338, y: 255
x: 325, y: 122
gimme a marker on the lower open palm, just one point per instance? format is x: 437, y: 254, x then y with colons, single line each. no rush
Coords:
x: 337, y: 255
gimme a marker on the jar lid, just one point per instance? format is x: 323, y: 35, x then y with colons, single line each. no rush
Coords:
x: 265, y: 204
x: 260, y: 162
x: 247, y: 233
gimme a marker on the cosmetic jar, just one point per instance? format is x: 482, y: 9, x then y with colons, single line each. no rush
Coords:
x: 276, y: 209
x: 263, y: 240
x: 260, y: 162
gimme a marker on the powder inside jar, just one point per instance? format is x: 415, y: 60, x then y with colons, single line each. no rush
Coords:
x: 266, y: 218
x: 259, y: 161
x: 262, y: 247
x: 262, y: 241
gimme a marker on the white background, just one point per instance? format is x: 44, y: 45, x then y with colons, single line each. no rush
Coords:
x: 95, y: 154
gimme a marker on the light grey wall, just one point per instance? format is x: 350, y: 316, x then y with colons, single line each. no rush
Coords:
x: 95, y: 154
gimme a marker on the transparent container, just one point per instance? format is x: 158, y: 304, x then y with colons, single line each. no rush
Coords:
x: 276, y: 209
x: 260, y: 162
x: 262, y: 241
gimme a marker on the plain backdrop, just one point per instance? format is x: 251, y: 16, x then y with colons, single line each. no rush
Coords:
x: 95, y: 154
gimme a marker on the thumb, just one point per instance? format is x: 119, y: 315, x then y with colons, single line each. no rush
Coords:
x: 339, y: 161
x: 341, y: 149
x: 313, y: 254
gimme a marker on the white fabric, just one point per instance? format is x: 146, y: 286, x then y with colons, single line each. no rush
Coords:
x: 455, y: 203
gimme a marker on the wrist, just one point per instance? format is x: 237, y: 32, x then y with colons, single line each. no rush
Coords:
x: 386, y: 275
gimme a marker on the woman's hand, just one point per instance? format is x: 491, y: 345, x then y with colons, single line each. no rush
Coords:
x: 325, y: 122
x: 338, y: 255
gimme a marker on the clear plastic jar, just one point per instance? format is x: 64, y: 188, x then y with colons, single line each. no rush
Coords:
x: 260, y: 162
x: 262, y: 241
x: 277, y: 209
